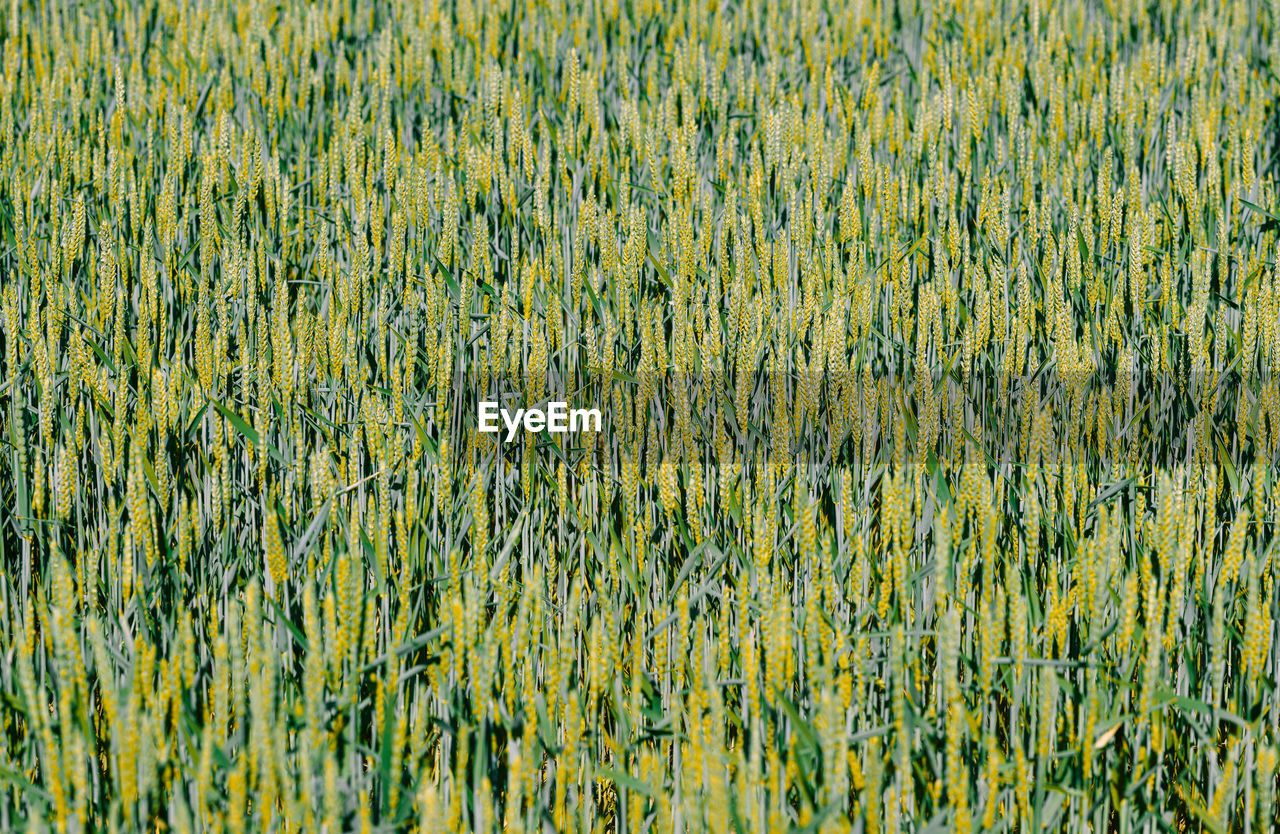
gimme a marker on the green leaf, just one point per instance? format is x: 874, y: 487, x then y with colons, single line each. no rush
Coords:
x: 249, y: 432
x: 624, y: 780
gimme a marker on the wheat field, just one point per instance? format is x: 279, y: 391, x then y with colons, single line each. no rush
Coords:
x: 935, y: 349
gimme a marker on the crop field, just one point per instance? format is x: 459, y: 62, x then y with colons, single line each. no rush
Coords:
x: 935, y: 350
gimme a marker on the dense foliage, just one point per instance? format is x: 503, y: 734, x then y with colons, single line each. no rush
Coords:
x: 935, y: 346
